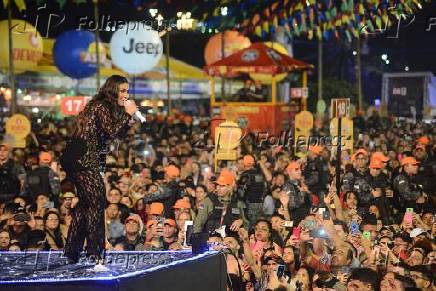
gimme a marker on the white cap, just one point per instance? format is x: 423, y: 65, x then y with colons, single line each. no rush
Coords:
x: 416, y: 231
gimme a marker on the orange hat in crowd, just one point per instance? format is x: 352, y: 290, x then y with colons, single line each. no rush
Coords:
x: 376, y: 163
x: 172, y: 171
x: 182, y: 204
x: 170, y: 221
x: 359, y: 152
x: 293, y: 166
x: 225, y: 178
x: 380, y: 156
x: 316, y: 149
x: 134, y: 217
x: 424, y: 140
x: 409, y: 161
x: 156, y: 208
x: 248, y: 161
x: 45, y: 157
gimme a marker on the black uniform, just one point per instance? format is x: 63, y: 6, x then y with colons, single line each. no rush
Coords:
x: 251, y: 189
x: 316, y: 176
x: 358, y: 182
x: 9, y: 182
x: 299, y: 201
x: 407, y: 190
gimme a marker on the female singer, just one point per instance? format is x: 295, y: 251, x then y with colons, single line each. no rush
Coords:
x: 104, y: 118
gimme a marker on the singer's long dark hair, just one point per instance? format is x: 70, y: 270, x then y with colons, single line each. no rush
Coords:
x: 109, y: 91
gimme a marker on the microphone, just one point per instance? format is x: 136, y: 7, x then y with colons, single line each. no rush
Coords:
x: 139, y: 115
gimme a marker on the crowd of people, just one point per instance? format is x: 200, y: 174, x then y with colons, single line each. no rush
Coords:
x: 279, y: 219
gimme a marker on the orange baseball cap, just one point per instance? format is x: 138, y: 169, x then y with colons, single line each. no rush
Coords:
x: 156, y: 208
x: 225, y: 178
x: 376, y: 163
x: 359, y: 152
x: 424, y: 140
x: 45, y: 157
x: 409, y: 161
x: 134, y: 217
x: 172, y: 171
x: 293, y: 166
x: 182, y: 204
x: 380, y: 156
x: 316, y: 149
x: 170, y: 221
x: 248, y: 160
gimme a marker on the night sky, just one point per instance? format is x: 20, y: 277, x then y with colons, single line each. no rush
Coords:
x: 414, y: 47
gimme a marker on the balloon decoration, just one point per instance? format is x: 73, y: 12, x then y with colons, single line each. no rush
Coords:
x: 74, y: 54
x: 267, y: 78
x: 137, y: 50
x: 233, y: 41
x: 27, y: 45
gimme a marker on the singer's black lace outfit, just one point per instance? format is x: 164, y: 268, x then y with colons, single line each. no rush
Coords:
x: 99, y: 122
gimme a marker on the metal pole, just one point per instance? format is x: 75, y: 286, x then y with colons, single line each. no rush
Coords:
x: 167, y: 54
x: 359, y: 75
x: 97, y: 42
x: 11, y: 61
x: 222, y: 57
x: 338, y: 156
x: 320, y: 69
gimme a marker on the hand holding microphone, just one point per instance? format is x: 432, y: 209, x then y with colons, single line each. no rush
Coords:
x: 132, y: 109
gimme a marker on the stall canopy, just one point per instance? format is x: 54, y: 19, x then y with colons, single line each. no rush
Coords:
x: 257, y: 58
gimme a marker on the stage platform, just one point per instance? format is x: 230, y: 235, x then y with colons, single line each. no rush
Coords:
x: 133, y: 271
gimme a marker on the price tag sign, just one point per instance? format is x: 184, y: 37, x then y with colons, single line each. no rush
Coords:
x: 340, y: 107
x: 72, y: 105
x: 299, y: 92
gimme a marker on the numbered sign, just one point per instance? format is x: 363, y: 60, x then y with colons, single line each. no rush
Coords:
x: 347, y: 134
x: 340, y: 107
x: 72, y: 105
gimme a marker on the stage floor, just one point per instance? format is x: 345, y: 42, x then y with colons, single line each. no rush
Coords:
x: 127, y: 271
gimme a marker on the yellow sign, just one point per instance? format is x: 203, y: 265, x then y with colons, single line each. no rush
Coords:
x: 346, y: 136
x: 303, y: 126
x: 19, y: 127
x: 228, y: 136
x: 27, y: 45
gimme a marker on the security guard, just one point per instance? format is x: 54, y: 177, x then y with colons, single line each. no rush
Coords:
x: 316, y: 172
x: 357, y: 180
x: 298, y: 193
x: 220, y: 209
x: 379, y: 183
x: 251, y: 189
x: 427, y: 169
x: 377, y: 179
x: 404, y: 184
x: 43, y: 179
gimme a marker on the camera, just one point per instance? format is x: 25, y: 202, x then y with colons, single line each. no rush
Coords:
x: 22, y: 217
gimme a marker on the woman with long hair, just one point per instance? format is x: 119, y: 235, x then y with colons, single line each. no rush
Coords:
x: 54, y: 237
x: 104, y: 118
